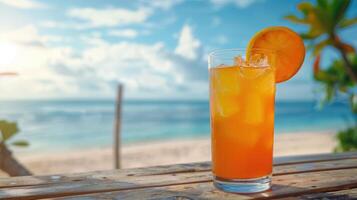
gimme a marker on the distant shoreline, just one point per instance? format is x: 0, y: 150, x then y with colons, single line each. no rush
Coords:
x: 57, y: 127
x: 153, y: 141
x: 164, y: 152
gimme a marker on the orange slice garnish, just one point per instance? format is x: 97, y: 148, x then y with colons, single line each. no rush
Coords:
x: 289, y: 48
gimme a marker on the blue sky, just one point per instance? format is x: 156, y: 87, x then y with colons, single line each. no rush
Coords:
x: 158, y: 49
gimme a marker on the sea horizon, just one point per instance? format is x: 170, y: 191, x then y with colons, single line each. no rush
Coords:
x: 158, y: 100
x: 70, y: 124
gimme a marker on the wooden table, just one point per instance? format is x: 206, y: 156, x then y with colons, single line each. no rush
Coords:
x: 325, y: 176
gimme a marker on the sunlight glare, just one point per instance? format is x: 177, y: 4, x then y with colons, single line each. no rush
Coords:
x: 8, y: 53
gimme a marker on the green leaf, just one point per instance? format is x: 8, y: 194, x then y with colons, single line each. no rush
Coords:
x: 322, y: 3
x: 20, y: 143
x: 7, y: 129
x: 305, y: 7
x: 312, y: 34
x: 325, y: 77
x: 347, y: 139
x: 295, y: 19
x: 347, y: 22
x: 324, y: 20
x: 339, y: 8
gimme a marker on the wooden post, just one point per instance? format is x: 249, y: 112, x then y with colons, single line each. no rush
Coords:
x: 117, y: 126
x: 9, y: 164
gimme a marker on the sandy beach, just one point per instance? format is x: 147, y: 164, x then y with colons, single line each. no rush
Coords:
x: 162, y: 153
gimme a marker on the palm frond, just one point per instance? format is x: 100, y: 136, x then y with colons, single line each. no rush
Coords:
x: 339, y: 8
x: 312, y: 34
x: 7, y: 130
x: 305, y: 7
x: 344, y: 23
x: 20, y: 143
x: 322, y: 3
x: 295, y: 19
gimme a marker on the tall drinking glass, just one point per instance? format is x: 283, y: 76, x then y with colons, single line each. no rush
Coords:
x: 242, y: 93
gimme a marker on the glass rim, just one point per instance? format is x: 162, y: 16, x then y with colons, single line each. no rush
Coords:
x: 218, y: 52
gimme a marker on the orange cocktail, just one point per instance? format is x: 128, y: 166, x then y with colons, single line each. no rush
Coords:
x: 242, y: 93
x: 242, y: 114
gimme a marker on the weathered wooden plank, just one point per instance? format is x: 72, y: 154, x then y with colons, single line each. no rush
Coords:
x: 314, y: 167
x: 335, y: 195
x: 144, y: 177
x: 313, y: 184
x: 340, y: 195
x: 211, y: 193
x: 146, y: 180
x: 182, y: 168
x: 167, y: 169
x: 286, y: 160
x: 99, y: 184
x: 184, y: 192
x: 109, y: 174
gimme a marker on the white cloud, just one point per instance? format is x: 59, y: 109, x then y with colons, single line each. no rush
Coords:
x: 147, y: 70
x: 95, y: 18
x: 109, y: 17
x: 238, y: 3
x: 23, y: 4
x: 65, y: 25
x: 28, y: 35
x: 31, y: 60
x: 24, y: 34
x: 49, y: 24
x: 127, y: 33
x: 93, y: 39
x: 187, y: 44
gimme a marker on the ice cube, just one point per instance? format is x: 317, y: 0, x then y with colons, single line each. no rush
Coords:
x: 265, y: 85
x: 250, y: 72
x: 239, y: 61
x: 225, y: 89
x: 258, y: 60
x: 226, y: 80
x: 226, y: 105
x: 220, y: 66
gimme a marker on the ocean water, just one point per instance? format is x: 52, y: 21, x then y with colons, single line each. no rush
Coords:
x: 77, y: 124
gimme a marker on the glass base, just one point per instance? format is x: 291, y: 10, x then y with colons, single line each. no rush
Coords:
x: 243, y: 185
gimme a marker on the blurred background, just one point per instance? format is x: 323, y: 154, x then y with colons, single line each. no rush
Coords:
x: 61, y: 63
